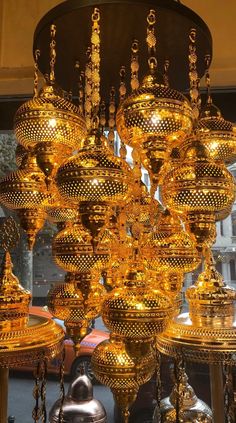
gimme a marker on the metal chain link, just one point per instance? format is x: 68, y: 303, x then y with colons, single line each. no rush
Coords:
x: 43, y: 391
x: 62, y: 387
x: 36, y: 413
x: 52, y: 53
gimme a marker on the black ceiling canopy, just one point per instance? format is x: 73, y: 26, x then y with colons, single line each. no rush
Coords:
x: 122, y: 21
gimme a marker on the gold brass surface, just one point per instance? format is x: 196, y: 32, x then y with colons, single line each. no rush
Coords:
x: 94, y: 173
x: 74, y: 251
x: 154, y: 111
x: 217, y: 134
x: 77, y: 302
x: 24, y: 188
x: 49, y: 118
x: 40, y: 339
x: 176, y: 252
x: 136, y: 310
x: 199, y: 184
x: 122, y: 373
x: 208, y: 332
x: 14, y: 299
x: 24, y: 339
x: 50, y: 155
x: 32, y: 221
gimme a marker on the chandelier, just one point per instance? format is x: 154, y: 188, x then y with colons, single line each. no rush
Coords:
x: 138, y: 67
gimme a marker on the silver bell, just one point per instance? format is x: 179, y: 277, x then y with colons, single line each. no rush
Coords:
x: 192, y: 409
x: 79, y: 406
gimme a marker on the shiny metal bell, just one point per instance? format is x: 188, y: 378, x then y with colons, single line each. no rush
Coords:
x: 79, y: 406
x: 192, y: 409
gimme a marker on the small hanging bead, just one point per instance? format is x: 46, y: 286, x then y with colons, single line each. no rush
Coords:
x: 36, y: 73
x: 134, y: 66
x: 122, y: 89
x: 52, y: 53
x: 151, y: 41
x: 193, y: 75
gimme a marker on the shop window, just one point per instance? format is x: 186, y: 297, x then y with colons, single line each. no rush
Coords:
x: 232, y: 270
x: 233, y: 218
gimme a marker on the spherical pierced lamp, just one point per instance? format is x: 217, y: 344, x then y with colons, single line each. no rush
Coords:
x: 24, y: 188
x: 94, y: 174
x: 175, y: 253
x: 49, y: 118
x: 73, y: 250
x: 137, y: 309
x: 154, y: 112
x: 52, y: 124
x: 217, y: 134
x: 199, y: 184
x: 122, y: 373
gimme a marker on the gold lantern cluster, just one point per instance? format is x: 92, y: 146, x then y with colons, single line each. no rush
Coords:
x: 112, y: 229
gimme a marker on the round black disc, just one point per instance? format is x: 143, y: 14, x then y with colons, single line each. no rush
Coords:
x: 122, y: 21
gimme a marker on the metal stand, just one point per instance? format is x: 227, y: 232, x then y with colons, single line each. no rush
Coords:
x: 3, y: 394
x: 217, y: 393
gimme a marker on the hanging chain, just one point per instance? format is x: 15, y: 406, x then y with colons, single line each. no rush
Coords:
x: 81, y: 92
x: 88, y: 90
x: 62, y: 387
x: 111, y: 121
x: 166, y: 70
x: 158, y: 384
x: 134, y: 66
x: 43, y: 391
x: 193, y: 75
x: 207, y: 78
x: 122, y: 150
x: 52, y: 53
x: 122, y: 89
x: 95, y: 60
x: 151, y: 41
x: 36, y: 73
x: 36, y: 413
x: 102, y: 116
x: 229, y: 395
x: 178, y: 371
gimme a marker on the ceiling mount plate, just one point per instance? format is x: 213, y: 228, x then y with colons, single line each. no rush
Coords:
x: 122, y: 21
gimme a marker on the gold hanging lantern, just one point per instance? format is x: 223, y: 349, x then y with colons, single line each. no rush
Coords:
x: 74, y: 251
x: 24, y: 188
x: 154, y: 113
x: 199, y: 189
x: 120, y: 371
x: 176, y: 252
x: 77, y: 302
x: 49, y: 122
x: 137, y: 309
x: 32, y: 221
x: 48, y: 117
x: 58, y: 210
x: 94, y: 174
x: 199, y: 184
x: 154, y: 116
x: 217, y: 134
